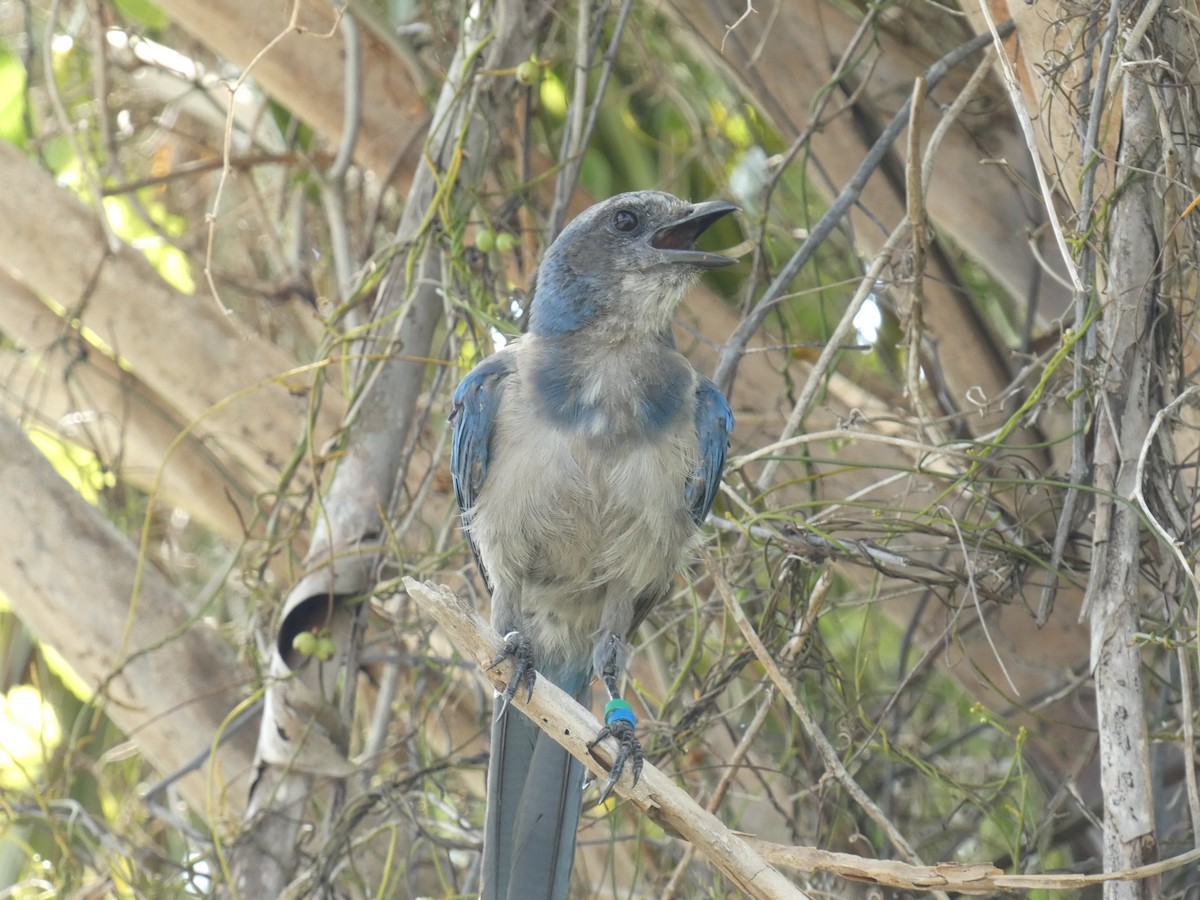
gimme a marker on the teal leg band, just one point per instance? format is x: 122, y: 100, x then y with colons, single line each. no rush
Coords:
x: 618, y: 710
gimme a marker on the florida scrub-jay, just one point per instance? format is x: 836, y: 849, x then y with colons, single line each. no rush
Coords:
x: 585, y: 456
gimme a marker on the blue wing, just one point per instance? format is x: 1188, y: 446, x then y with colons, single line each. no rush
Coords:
x: 476, y: 401
x: 714, y: 423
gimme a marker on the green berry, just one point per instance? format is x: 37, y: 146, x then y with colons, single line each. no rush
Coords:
x: 325, y: 649
x: 485, y: 241
x: 528, y: 72
x: 505, y: 242
x: 305, y: 642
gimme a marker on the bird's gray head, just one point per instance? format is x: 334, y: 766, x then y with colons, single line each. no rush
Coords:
x: 626, y: 263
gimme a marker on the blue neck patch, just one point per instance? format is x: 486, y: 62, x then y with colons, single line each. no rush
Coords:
x: 658, y: 388
x: 557, y: 311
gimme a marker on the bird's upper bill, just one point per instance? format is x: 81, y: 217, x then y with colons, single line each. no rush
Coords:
x: 678, y: 239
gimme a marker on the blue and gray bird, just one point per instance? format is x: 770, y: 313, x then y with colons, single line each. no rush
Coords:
x: 586, y: 455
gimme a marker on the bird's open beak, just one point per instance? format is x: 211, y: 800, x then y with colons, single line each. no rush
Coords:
x: 678, y: 240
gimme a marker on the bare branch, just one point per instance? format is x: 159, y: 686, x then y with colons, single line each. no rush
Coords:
x: 746, y: 861
x: 559, y: 716
x: 733, y: 349
x: 746, y: 13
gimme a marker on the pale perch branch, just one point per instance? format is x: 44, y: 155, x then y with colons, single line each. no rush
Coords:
x: 959, y: 878
x: 572, y: 726
x: 747, y: 861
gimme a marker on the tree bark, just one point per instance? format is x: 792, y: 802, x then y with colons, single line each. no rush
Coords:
x: 64, y: 385
x: 159, y: 671
x: 304, y: 70
x: 1130, y: 355
x: 232, y: 387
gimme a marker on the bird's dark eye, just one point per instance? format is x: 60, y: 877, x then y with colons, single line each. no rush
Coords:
x: 625, y: 220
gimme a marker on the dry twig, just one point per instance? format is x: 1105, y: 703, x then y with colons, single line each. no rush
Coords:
x: 748, y: 862
x: 567, y: 722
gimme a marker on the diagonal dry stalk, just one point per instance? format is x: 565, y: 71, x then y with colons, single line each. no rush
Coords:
x: 571, y: 726
x: 747, y: 861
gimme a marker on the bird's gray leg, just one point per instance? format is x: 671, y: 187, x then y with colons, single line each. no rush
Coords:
x: 518, y: 648
x: 619, y: 720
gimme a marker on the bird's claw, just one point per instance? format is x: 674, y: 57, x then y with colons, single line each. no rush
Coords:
x: 628, y: 749
x: 519, y: 649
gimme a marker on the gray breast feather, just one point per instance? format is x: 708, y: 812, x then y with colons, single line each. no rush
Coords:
x: 575, y: 528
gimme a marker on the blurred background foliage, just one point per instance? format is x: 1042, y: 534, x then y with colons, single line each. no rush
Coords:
x: 128, y: 110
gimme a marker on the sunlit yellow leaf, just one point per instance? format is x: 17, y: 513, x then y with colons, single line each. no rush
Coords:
x: 80, y: 467
x: 31, y: 732
x: 12, y: 99
x: 71, y: 680
x: 170, y: 262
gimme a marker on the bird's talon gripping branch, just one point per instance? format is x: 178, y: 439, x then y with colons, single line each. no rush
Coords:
x: 518, y: 648
x: 620, y: 722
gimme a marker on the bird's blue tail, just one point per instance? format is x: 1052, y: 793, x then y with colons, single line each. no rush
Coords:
x: 534, y: 799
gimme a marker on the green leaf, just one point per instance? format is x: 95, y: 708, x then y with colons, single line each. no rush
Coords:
x: 144, y: 13
x: 12, y: 99
x: 170, y: 262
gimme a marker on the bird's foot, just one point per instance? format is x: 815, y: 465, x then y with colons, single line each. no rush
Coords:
x: 519, y: 649
x: 620, y: 722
